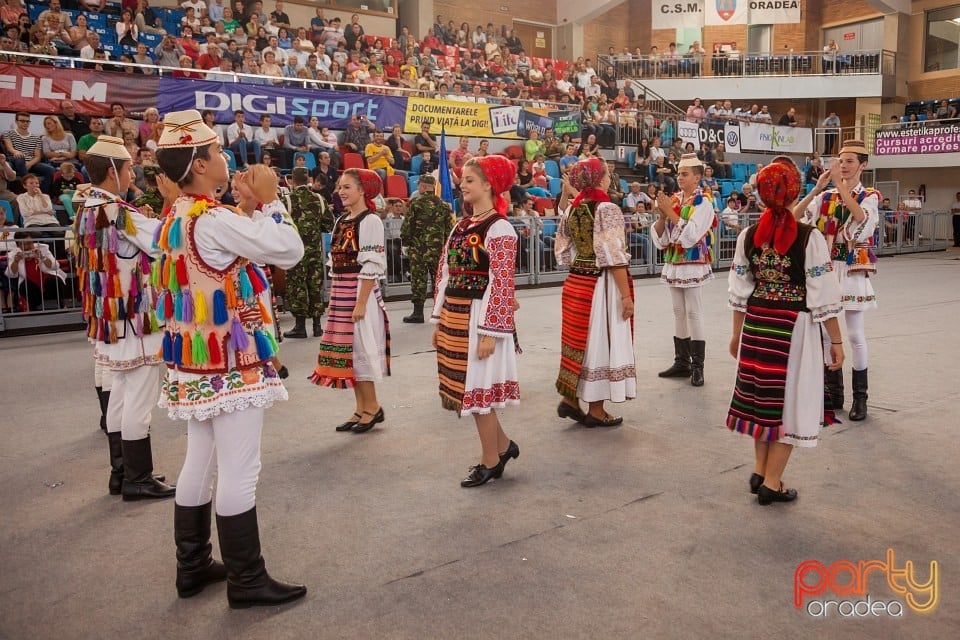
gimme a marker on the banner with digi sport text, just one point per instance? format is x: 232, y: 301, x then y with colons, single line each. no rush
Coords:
x: 38, y: 89
x: 765, y: 137
x: 479, y: 120
x: 333, y: 108
x: 719, y: 13
x: 915, y: 138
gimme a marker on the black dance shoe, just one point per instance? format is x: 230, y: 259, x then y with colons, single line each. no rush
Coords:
x: 591, y: 422
x: 565, y: 410
x: 766, y: 495
x: 756, y: 480
x: 363, y: 427
x: 513, y: 451
x: 283, y: 373
x: 349, y: 424
x: 481, y: 475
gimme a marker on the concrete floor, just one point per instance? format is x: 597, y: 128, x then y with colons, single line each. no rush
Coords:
x: 645, y: 531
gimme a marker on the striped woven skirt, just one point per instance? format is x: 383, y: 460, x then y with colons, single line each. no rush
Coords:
x: 576, y: 301
x: 338, y: 365
x: 468, y: 384
x: 758, y: 397
x: 453, y: 344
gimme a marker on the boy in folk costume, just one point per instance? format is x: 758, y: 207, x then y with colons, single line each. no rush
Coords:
x: 848, y: 216
x: 114, y: 249
x: 684, y: 231
x: 218, y: 346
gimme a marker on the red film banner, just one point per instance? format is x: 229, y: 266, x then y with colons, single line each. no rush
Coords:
x: 40, y: 89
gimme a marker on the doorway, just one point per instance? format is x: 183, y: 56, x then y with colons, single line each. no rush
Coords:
x: 537, y: 39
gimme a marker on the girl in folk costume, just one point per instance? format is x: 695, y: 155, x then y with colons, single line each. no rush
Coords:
x: 474, y: 307
x: 114, y: 263
x: 218, y: 348
x: 596, y: 362
x: 782, y: 291
x: 684, y: 231
x: 848, y: 216
x: 355, y: 347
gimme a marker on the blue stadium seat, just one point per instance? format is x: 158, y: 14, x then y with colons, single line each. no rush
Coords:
x: 631, y: 158
x: 231, y: 159
x: 34, y: 11
x: 311, y: 160
x: 415, y: 163
x: 9, y: 211
x: 413, y: 183
x: 552, y: 168
x: 151, y: 39
x: 555, y: 186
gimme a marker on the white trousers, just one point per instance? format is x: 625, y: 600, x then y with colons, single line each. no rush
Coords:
x: 687, y: 312
x: 133, y: 396
x: 227, y: 446
x: 857, y: 335
x: 102, y: 377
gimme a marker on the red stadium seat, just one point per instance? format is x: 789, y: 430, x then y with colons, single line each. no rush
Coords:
x: 514, y: 152
x: 396, y: 187
x: 353, y: 161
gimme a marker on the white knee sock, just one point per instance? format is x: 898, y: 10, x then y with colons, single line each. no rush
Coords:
x: 856, y: 332
x: 679, y: 313
x: 237, y: 438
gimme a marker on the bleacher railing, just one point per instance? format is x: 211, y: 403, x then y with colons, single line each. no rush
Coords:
x: 54, y: 303
x: 789, y: 63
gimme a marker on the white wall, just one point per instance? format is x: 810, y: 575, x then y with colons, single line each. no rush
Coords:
x: 578, y: 11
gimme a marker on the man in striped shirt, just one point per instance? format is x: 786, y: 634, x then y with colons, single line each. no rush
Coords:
x: 23, y: 151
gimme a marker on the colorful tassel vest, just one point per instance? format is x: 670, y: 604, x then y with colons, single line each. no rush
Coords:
x: 467, y: 259
x: 700, y: 253
x: 834, y: 217
x: 210, y: 314
x: 345, y: 244
x: 118, y: 298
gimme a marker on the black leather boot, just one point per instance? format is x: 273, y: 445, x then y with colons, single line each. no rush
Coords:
x: 858, y: 410
x: 116, y: 463
x: 681, y: 360
x: 138, y: 480
x: 248, y: 583
x: 698, y: 349
x: 195, y: 566
x: 833, y: 388
x: 299, y: 329
x: 417, y: 316
x: 104, y: 398
x: 317, y: 328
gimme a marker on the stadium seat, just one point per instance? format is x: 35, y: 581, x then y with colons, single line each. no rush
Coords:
x: 514, y: 152
x: 552, y: 168
x: 353, y: 161
x: 8, y: 210
x: 415, y: 163
x: 231, y: 160
x: 556, y: 185
x: 396, y: 187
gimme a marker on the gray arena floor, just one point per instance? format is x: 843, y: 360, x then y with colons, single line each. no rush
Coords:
x: 645, y: 531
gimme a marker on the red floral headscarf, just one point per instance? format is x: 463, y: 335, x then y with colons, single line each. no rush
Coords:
x: 501, y: 173
x: 370, y: 183
x: 585, y: 177
x: 778, y: 185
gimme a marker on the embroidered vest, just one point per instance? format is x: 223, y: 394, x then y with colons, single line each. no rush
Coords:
x: 118, y: 299
x: 467, y: 259
x: 580, y: 225
x: 779, y: 280
x: 210, y: 313
x: 834, y: 217
x: 700, y: 253
x: 345, y: 244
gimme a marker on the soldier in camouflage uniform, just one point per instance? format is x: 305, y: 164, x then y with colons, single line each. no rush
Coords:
x: 425, y: 229
x: 313, y: 217
x: 152, y: 196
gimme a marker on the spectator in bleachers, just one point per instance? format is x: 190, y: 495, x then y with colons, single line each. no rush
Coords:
x: 168, y: 52
x: 8, y: 175
x: 119, y: 122
x: 36, y: 209
x: 723, y: 168
x: 10, y: 12
x: 55, y: 10
x: 332, y: 36
x: 72, y: 121
x: 187, y: 42
x: 279, y: 18
x: 789, y: 119
x: 664, y: 172
x: 479, y: 37
x: 34, y: 267
x: 945, y: 111
x: 127, y: 31
x: 65, y: 181
x: 589, y: 148
x: 210, y: 59
x: 265, y: 138
x: 24, y: 150
x: 814, y: 171
x: 231, y: 25
x: 731, y: 217
x: 147, y: 19
x: 240, y: 139
x: 271, y: 67
x: 85, y: 142
x: 830, y: 55
x: 78, y: 34
x: 356, y: 136
x: 708, y: 183
x: 57, y: 145
x: 379, y: 156
x: 295, y: 138
x: 696, y: 112
x: 636, y: 200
